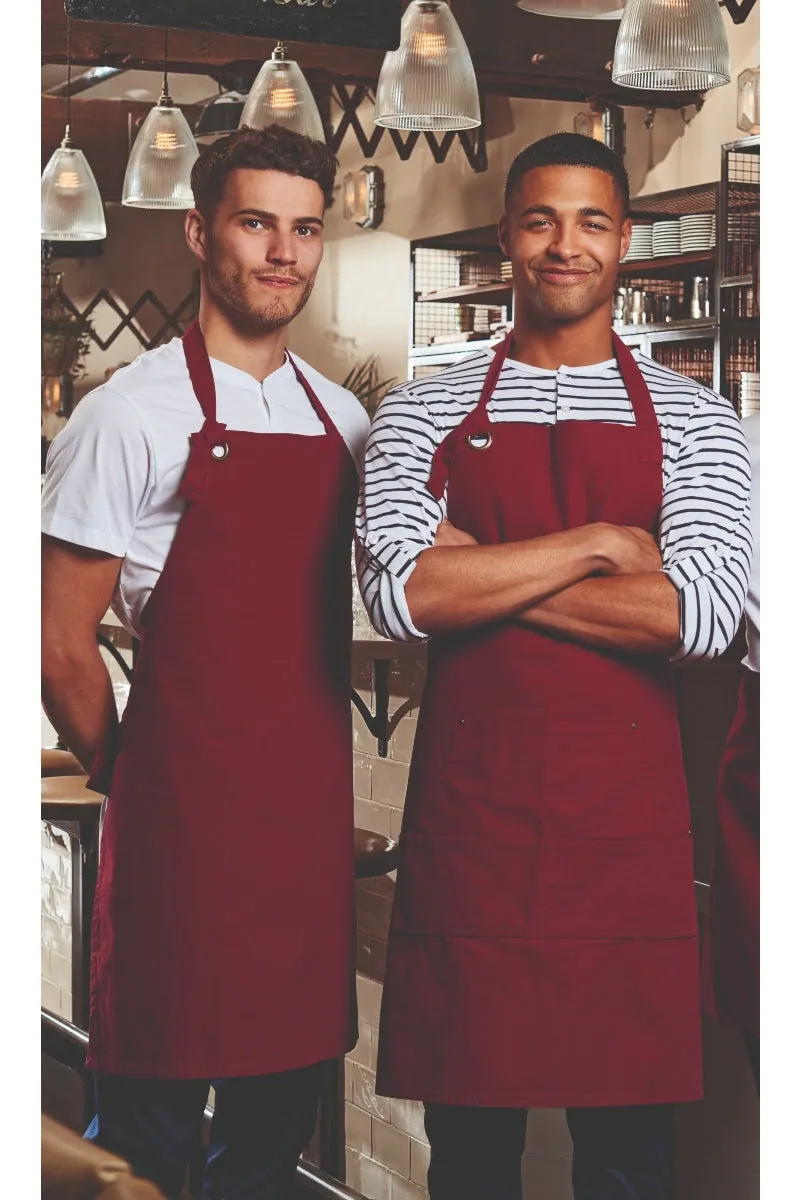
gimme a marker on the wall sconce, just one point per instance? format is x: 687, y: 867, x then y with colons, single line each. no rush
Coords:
x: 364, y: 193
x: 748, y: 108
x: 606, y: 126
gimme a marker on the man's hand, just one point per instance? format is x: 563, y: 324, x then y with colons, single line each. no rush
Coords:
x: 628, y: 550
x: 448, y: 535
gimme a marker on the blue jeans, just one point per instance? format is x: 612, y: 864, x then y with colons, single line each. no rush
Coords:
x: 618, y: 1153
x: 261, y: 1125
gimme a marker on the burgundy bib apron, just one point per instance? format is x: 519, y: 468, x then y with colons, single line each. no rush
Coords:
x: 543, y: 946
x: 731, y: 947
x: 223, y: 928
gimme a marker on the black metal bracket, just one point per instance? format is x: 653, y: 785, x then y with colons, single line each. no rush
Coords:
x: 378, y: 722
x: 739, y: 9
x: 350, y: 98
x: 108, y: 645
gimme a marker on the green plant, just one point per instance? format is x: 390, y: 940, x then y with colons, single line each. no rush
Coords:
x: 66, y: 341
x: 364, y: 381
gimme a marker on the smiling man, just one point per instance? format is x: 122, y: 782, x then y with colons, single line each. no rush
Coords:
x: 562, y: 520
x: 207, y: 492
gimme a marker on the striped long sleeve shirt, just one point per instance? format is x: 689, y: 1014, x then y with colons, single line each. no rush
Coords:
x: 704, y: 527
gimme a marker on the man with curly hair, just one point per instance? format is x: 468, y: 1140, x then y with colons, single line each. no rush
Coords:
x: 207, y: 493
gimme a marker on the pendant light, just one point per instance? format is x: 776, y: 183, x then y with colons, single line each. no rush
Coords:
x: 160, y: 165
x: 672, y: 45
x: 595, y: 10
x: 72, y: 208
x: 281, y: 96
x: 428, y: 83
x: 222, y: 114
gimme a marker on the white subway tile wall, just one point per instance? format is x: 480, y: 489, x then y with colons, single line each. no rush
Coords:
x: 387, y: 1153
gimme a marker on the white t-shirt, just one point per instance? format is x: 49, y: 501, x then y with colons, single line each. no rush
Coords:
x: 751, y: 427
x: 113, y: 473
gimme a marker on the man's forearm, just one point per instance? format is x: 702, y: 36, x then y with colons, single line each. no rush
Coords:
x: 637, y: 613
x: 79, y: 700
x: 456, y: 587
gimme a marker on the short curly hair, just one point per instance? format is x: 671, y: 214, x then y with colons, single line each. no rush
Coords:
x: 272, y: 149
x: 570, y: 150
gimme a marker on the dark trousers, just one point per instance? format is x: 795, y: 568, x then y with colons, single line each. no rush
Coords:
x: 618, y: 1153
x: 261, y: 1125
x: 753, y: 1045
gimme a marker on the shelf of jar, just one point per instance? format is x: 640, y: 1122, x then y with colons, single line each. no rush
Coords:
x: 499, y: 293
x: 674, y: 264
x: 702, y: 326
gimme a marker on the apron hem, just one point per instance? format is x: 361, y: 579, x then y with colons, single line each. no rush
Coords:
x: 136, y: 1069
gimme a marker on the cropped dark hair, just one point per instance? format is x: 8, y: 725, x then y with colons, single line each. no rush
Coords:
x: 570, y: 150
x: 272, y: 149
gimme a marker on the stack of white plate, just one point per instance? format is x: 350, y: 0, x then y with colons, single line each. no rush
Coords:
x: 751, y: 393
x: 641, y: 244
x: 505, y: 270
x: 666, y: 238
x: 697, y: 232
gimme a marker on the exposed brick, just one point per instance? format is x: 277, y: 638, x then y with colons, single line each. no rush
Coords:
x: 348, y: 1080
x: 56, y: 936
x: 369, y: 1000
x: 352, y: 1169
x: 61, y: 971
x: 51, y: 997
x: 372, y: 816
x: 548, y: 1134
x: 60, y: 905
x: 392, y: 1148
x: 373, y: 914
x: 362, y: 777
x: 403, y: 1189
x: 402, y: 743
x: 420, y: 1161
x: 376, y: 1180
x: 389, y: 782
x: 362, y: 738
x: 358, y: 1129
x: 364, y: 1094
x: 550, y: 1177
x: 395, y: 822
x: 408, y: 1115
x: 361, y: 1051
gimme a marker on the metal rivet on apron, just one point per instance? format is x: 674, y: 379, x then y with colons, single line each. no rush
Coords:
x: 461, y: 721
x: 220, y: 452
x: 479, y: 441
x: 635, y: 725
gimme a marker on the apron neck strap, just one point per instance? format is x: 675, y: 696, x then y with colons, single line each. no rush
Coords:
x: 637, y: 389
x: 199, y: 367
x: 313, y: 398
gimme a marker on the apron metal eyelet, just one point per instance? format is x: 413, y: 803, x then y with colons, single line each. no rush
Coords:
x: 479, y: 441
x: 220, y: 452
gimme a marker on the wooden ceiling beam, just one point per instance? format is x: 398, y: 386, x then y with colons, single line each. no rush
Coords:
x: 515, y: 54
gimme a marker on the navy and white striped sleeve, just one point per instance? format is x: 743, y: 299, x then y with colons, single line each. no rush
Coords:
x: 706, y: 540
x: 397, y: 517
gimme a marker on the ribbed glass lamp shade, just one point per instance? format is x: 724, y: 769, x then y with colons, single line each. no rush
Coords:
x: 672, y: 46
x: 428, y: 83
x: 160, y: 166
x: 72, y: 209
x: 599, y: 10
x: 281, y: 96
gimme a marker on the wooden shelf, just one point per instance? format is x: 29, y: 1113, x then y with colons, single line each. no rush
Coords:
x: 476, y: 293
x: 673, y: 263
x: 701, y: 327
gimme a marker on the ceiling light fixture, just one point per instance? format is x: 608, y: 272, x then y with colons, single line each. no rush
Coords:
x: 160, y: 164
x: 72, y: 207
x: 281, y: 96
x: 672, y: 46
x: 429, y: 82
